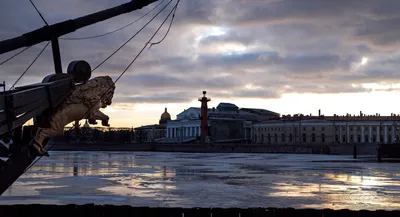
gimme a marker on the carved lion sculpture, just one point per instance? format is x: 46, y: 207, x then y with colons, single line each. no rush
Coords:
x: 83, y: 103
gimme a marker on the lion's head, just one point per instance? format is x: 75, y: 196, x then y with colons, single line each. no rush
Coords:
x: 90, y: 92
x: 107, y: 90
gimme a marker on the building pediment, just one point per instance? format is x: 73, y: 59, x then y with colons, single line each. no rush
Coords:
x: 191, y: 113
x: 193, y: 116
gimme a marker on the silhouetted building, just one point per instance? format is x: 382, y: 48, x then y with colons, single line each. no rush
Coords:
x: 149, y: 133
x: 230, y: 130
x: 152, y: 133
x: 226, y: 122
x: 301, y: 129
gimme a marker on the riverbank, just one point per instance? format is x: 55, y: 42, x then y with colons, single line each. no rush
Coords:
x: 337, y: 149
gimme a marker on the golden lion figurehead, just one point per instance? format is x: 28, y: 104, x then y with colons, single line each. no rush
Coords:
x: 97, y: 90
x: 95, y: 94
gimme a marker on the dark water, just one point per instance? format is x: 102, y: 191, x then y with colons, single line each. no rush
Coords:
x: 208, y: 180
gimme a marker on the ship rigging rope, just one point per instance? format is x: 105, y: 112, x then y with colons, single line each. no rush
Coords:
x: 169, y: 28
x: 34, y: 60
x: 116, y: 30
x: 37, y: 10
x: 131, y: 37
x: 148, y: 42
x: 109, y: 55
x: 83, y: 38
x: 126, y: 69
x: 10, y: 58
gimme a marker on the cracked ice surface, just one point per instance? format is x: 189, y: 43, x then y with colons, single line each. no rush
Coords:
x: 208, y: 180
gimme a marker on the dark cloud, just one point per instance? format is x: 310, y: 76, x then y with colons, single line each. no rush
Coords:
x: 264, y: 94
x: 229, y: 60
x: 380, y: 33
x: 153, y: 99
x: 157, y: 97
x: 196, y: 12
x: 308, y: 64
x: 259, y: 12
x: 368, y: 20
x: 327, y: 88
x: 153, y: 83
x: 187, y: 97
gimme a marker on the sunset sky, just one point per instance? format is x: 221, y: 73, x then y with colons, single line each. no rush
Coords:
x: 287, y: 56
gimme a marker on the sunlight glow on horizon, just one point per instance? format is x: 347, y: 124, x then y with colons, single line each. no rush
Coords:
x: 376, y: 86
x: 353, y: 103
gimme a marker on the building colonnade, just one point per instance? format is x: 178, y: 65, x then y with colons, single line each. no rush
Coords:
x: 326, y: 132
x: 182, y: 131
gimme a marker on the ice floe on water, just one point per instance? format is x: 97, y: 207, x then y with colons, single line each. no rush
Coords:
x: 208, y: 180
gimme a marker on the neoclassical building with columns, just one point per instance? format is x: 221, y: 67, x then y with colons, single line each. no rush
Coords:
x: 300, y: 129
x: 226, y: 117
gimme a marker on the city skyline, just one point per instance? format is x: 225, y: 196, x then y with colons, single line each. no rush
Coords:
x: 153, y: 112
x: 278, y: 55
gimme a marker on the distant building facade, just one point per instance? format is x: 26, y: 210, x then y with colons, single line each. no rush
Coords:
x: 321, y: 129
x: 155, y: 132
x: 229, y: 130
x: 226, y: 122
x: 186, y: 127
x: 149, y: 133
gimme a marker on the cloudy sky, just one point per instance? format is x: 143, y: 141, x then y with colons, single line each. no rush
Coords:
x: 288, y: 56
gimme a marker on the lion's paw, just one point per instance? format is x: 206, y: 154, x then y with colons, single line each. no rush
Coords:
x: 92, y: 121
x: 105, y: 123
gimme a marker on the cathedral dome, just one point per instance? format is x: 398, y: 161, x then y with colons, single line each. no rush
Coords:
x: 165, y: 117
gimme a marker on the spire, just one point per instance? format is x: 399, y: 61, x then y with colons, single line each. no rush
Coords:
x: 165, y: 109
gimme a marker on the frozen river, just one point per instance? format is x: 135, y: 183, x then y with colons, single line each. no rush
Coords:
x: 208, y: 180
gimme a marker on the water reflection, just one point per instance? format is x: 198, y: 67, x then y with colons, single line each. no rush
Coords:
x: 207, y: 180
x: 339, y: 191
x: 75, y: 170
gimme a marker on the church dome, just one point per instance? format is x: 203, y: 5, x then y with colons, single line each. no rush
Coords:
x: 165, y: 117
